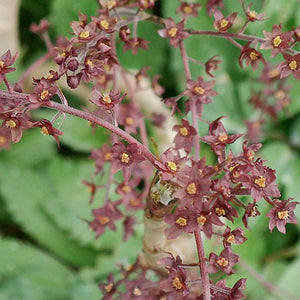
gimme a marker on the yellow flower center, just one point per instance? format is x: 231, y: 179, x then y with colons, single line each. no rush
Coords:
x: 250, y: 154
x: 254, y: 212
x: 103, y: 220
x: 49, y: 76
x: 260, y: 181
x: 293, y: 65
x: 11, y: 124
x: 172, y: 166
x: 277, y: 41
x: 84, y: 34
x: 107, y: 156
x: 254, y: 55
x: 283, y: 214
x: 129, y: 121
x: 134, y: 201
x: 223, y: 137
x: 230, y: 239
x: 279, y: 94
x: 111, y: 4
x: 187, y: 9
x: 109, y: 287
x: 201, y: 220
x: 125, y: 158
x: 104, y: 24
x: 1, y: 64
x: 223, y: 23
x: 106, y: 99
x: 2, y: 140
x: 89, y: 63
x: 172, y: 32
x: 181, y: 221
x: 220, y: 211
x: 273, y: 73
x: 44, y: 94
x: 252, y: 14
x: 199, y: 90
x: 126, y: 188
x: 137, y: 292
x: 44, y: 130
x: 222, y: 262
x: 177, y: 284
x: 191, y: 188
x: 183, y: 131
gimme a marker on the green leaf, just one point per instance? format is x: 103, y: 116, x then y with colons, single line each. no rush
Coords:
x: 27, y: 273
x: 24, y: 191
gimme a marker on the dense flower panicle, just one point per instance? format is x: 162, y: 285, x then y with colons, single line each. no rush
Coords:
x: 175, y: 32
x: 251, y: 57
x: 291, y: 65
x: 184, y: 136
x: 211, y: 65
x: 188, y: 9
x: 104, y: 217
x: 223, y: 24
x: 281, y: 214
x: 277, y: 40
x: 224, y: 262
x: 6, y: 61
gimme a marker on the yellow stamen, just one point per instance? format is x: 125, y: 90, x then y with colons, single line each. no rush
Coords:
x: 126, y: 188
x: 260, y: 181
x: 172, y: 166
x: 220, y: 211
x: 223, y: 23
x: 107, y: 156
x: 109, y: 287
x: 172, y: 32
x: 252, y: 14
x: 277, y: 41
x: 199, y: 90
x: 104, y: 24
x: 129, y: 121
x: 44, y: 94
x: 183, y: 131
x: 230, y: 239
x: 293, y: 65
x: 11, y: 124
x: 254, y: 55
x: 44, y: 130
x: 106, y: 99
x: 201, y: 220
x: 177, y: 284
x: 187, y: 9
x: 3, y: 140
x: 280, y: 94
x: 137, y: 292
x: 222, y: 262
x: 84, y: 34
x: 1, y: 64
x: 181, y: 221
x: 103, y: 220
x: 223, y: 137
x: 111, y: 4
x: 283, y: 214
x: 134, y: 202
x: 191, y: 189
x: 125, y: 158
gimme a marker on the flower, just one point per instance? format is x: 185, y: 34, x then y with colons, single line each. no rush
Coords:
x: 184, y: 137
x: 252, y: 15
x: 281, y: 214
x: 223, y: 24
x: 291, y: 65
x: 235, y: 236
x: 6, y: 60
x: 224, y: 262
x: 175, y: 32
x: 106, y: 101
x: 48, y: 129
x: 277, y: 40
x: 188, y: 9
x: 251, y: 57
x: 212, y: 64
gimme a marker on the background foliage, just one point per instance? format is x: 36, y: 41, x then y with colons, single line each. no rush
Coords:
x: 46, y: 248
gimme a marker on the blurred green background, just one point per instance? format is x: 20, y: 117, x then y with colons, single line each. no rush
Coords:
x: 46, y: 248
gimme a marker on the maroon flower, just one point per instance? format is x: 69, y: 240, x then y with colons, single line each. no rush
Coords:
x: 211, y: 65
x: 92, y: 189
x: 184, y: 136
x: 106, y: 101
x: 251, y: 57
x: 48, y: 129
x: 176, y: 283
x: 277, y: 40
x: 125, y: 158
x: 222, y: 292
x: 105, y: 23
x: 235, y: 236
x: 251, y: 211
x: 105, y: 217
x: 6, y: 60
x: 157, y: 88
x: 134, y: 44
x: 189, y: 9
x: 146, y: 4
x: 224, y: 262
x: 211, y: 5
x: 281, y: 214
x: 129, y: 117
x: 41, y: 27
x: 85, y: 33
x: 175, y: 32
x: 252, y: 15
x: 109, y: 287
x: 223, y: 24
x: 102, y: 155
x: 290, y: 65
